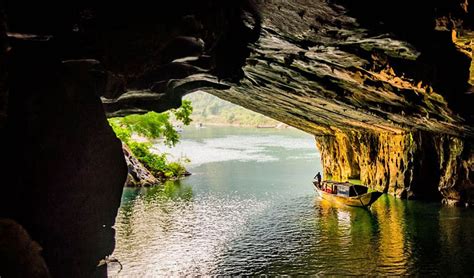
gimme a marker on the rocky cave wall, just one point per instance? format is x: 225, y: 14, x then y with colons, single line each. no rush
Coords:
x: 64, y: 169
x: 388, y: 100
x: 63, y: 68
x: 384, y: 87
x: 419, y: 164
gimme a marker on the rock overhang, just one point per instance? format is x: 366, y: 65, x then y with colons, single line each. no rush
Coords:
x: 316, y: 65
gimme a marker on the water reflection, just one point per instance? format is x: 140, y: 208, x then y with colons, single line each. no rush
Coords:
x: 164, y: 231
x: 235, y: 217
x: 393, y: 250
x: 396, y: 237
x: 168, y: 232
x: 347, y: 236
x: 456, y: 236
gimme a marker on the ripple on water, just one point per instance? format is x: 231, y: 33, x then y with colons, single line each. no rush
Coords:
x: 281, y: 228
x: 231, y: 235
x: 176, y: 237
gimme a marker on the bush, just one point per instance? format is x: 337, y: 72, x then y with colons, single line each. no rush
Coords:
x: 175, y: 169
x: 153, y: 125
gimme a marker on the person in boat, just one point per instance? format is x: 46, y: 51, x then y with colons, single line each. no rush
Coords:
x: 318, y: 178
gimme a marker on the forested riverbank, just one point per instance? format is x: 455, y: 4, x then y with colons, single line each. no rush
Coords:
x: 211, y: 110
x: 139, y: 133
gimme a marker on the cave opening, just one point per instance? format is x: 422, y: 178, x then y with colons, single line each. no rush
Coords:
x: 369, y: 87
x: 243, y: 166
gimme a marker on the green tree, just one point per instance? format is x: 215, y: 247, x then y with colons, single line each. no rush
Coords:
x: 152, y: 126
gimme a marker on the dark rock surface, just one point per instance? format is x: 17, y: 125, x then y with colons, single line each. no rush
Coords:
x: 326, y: 69
x: 19, y: 255
x: 66, y: 170
x: 138, y: 175
x: 378, y: 83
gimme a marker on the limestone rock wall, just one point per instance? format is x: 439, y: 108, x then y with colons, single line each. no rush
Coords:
x: 64, y: 169
x: 138, y: 175
x: 456, y: 164
x: 418, y: 164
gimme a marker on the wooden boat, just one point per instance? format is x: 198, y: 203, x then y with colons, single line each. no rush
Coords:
x: 346, y: 193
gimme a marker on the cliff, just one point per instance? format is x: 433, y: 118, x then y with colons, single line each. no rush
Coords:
x: 389, y: 100
x: 417, y: 164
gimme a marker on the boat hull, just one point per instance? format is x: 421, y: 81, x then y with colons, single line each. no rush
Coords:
x: 363, y: 200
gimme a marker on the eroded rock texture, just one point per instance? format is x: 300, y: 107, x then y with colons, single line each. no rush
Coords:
x: 418, y: 164
x: 386, y: 87
x: 388, y: 97
x: 138, y: 175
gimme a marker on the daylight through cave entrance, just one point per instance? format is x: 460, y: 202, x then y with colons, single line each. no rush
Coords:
x: 386, y: 100
x: 241, y: 163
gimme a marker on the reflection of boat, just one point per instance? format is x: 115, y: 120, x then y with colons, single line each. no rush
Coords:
x: 346, y: 193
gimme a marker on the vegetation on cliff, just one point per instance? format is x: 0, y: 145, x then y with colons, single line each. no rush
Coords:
x: 153, y: 126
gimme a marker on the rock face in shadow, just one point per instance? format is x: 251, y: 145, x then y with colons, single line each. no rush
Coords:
x: 66, y: 170
x: 386, y: 91
x: 62, y: 68
x: 19, y: 255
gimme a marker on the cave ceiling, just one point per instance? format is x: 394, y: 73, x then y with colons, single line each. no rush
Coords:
x: 316, y: 65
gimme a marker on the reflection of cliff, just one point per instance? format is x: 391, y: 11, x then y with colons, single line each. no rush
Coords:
x: 376, y: 241
x: 413, y: 164
x: 136, y: 201
x: 392, y: 247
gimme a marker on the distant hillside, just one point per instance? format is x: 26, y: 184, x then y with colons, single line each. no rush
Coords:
x: 208, y: 109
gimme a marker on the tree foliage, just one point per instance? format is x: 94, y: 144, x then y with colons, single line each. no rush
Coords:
x: 153, y: 126
x: 183, y: 113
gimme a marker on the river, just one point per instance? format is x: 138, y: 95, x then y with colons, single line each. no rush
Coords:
x: 249, y: 209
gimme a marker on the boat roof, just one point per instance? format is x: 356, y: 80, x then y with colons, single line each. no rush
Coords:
x: 345, y: 184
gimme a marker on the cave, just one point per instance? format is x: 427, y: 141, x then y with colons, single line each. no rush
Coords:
x: 371, y: 83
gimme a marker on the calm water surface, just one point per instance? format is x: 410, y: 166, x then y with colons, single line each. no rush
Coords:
x: 249, y: 209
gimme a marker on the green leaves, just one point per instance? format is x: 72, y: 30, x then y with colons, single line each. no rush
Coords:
x: 153, y: 125
x: 122, y: 133
x: 156, y: 163
x: 183, y: 113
